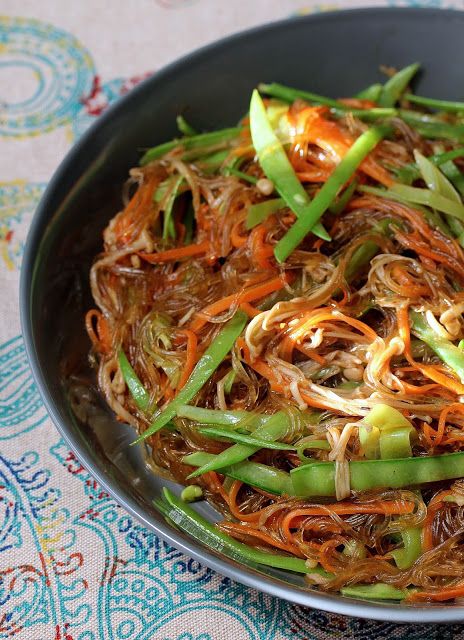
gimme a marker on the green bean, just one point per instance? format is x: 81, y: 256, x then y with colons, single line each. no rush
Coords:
x: 188, y: 520
x: 339, y: 205
x: 376, y: 591
x: 396, y: 85
x: 253, y: 473
x: 200, y: 141
x: 137, y: 390
x: 324, y: 198
x: 277, y: 167
x: 184, y: 127
x: 373, y: 92
x: 242, y: 438
x: 409, y: 172
x: 427, y: 198
x: 318, y: 478
x: 364, y: 254
x: 445, y: 350
x: 218, y: 417
x: 433, y: 103
x: 259, y: 212
x: 385, y: 433
x: 288, y: 94
x: 272, y: 429
x: 168, y: 223
x: 406, y: 555
x: 305, y: 444
x: 240, y: 174
x: 204, y: 369
x: 229, y: 380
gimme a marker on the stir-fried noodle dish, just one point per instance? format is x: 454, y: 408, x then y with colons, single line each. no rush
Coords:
x: 279, y: 315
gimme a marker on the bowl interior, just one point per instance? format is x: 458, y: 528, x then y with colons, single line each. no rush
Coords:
x: 334, y: 54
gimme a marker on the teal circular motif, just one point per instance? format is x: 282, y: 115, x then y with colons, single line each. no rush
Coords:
x: 125, y: 629
x: 61, y: 74
x: 138, y: 586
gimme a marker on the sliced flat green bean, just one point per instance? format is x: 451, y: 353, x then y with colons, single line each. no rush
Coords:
x: 277, y: 167
x: 324, y: 198
x: 259, y: 212
x: 241, y: 438
x: 204, y: 369
x: 240, y: 174
x: 184, y: 127
x: 168, y: 226
x: 318, y: 478
x: 451, y: 355
x: 433, y: 103
x: 195, y: 525
x: 373, y: 92
x: 217, y: 417
x: 376, y: 591
x: 406, y: 555
x: 396, y: 85
x: 272, y: 429
x: 288, y: 94
x: 252, y: 473
x: 200, y: 141
x: 428, y: 198
x: 138, y: 392
x: 339, y: 205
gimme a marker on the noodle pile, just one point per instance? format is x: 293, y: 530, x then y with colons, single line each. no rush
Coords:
x: 328, y: 338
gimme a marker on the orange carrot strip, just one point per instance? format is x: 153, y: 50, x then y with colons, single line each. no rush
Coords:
x: 247, y: 295
x: 243, y: 529
x: 192, y: 342
x: 179, y: 253
x: 437, y: 596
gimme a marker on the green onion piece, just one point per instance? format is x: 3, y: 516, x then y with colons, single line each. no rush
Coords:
x: 168, y: 223
x: 192, y: 523
x: 240, y: 174
x: 191, y: 492
x: 259, y: 212
x: 252, y: 473
x: 396, y: 85
x: 377, y: 591
x: 318, y: 478
x: 433, y: 103
x: 184, y: 127
x: 288, y: 94
x: 138, y: 392
x: 461, y: 344
x: 204, y: 369
x: 324, y: 198
x: 235, y: 436
x: 339, y: 205
x: 406, y: 556
x: 229, y: 380
x: 272, y: 429
x: 373, y: 93
x: 445, y: 350
x: 277, y: 167
x: 200, y: 141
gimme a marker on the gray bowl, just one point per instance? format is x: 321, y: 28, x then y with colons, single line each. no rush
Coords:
x: 334, y: 54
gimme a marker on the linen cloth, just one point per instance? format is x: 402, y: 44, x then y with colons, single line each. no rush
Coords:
x: 73, y: 564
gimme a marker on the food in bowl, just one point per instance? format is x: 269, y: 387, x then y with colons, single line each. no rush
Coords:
x: 279, y: 316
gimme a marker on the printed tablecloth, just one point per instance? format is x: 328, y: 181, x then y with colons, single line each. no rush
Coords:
x: 73, y: 564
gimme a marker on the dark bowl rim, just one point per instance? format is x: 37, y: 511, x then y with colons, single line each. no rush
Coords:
x: 332, y: 603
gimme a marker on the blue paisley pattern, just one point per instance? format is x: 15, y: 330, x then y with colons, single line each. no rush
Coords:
x: 63, y: 71
x: 21, y: 408
x: 73, y: 564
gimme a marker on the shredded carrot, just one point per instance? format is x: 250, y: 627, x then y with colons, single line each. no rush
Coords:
x: 437, y: 596
x: 260, y: 251
x: 325, y: 549
x: 251, y: 311
x: 247, y: 530
x: 216, y: 485
x: 191, y: 358
x: 127, y: 223
x: 427, y: 532
x: 236, y: 239
x: 247, y: 295
x: 179, y: 253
